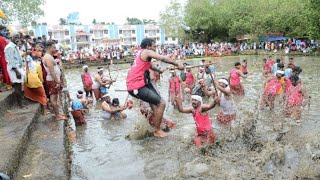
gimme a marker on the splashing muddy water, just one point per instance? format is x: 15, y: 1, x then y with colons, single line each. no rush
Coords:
x: 260, y: 144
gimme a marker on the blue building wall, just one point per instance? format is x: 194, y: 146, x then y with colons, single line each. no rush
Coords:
x: 86, y: 28
x: 37, y: 31
x: 44, y: 30
x: 162, y: 36
x: 116, y: 31
x: 139, y: 33
x: 113, y: 31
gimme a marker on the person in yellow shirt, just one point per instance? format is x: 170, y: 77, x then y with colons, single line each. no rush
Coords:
x: 33, y: 87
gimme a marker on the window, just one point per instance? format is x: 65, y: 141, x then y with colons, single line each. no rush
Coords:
x: 134, y: 39
x: 158, y: 31
x: 120, y: 31
x: 133, y: 31
x: 158, y: 39
x: 105, y: 31
x: 173, y: 39
x: 146, y: 31
x: 91, y: 31
x: 66, y: 33
x: 166, y: 39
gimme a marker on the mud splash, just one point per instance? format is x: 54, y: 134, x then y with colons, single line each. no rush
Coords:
x: 260, y: 144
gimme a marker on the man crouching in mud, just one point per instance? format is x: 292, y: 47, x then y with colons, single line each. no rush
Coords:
x: 139, y: 84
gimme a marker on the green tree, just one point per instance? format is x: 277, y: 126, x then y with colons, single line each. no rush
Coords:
x: 148, y: 21
x: 94, y: 21
x: 24, y: 11
x: 133, y: 21
x: 172, y: 20
x: 313, y: 15
x: 62, y: 21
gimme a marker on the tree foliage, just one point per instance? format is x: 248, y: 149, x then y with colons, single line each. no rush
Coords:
x: 94, y: 21
x: 149, y: 21
x: 208, y: 20
x: 172, y: 20
x: 133, y: 21
x: 62, y: 21
x: 24, y: 11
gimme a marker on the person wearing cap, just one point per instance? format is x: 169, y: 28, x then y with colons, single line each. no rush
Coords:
x: 140, y: 86
x: 272, y: 87
x: 98, y: 81
x: 87, y: 81
x: 199, y: 111
x: 79, y: 107
x: 235, y: 85
x: 111, y: 109
x: 15, y: 67
x: 228, y: 108
x: 201, y: 73
x: 174, y: 86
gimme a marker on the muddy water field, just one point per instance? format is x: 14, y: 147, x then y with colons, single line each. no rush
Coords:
x: 260, y: 144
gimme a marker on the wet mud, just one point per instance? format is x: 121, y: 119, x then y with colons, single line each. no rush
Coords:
x: 260, y: 144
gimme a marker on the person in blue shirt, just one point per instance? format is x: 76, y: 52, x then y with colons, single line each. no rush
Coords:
x: 79, y: 107
x: 288, y: 71
x: 275, y: 67
x: 212, y: 68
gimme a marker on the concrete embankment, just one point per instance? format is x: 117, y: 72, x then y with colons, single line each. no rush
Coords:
x: 33, y: 146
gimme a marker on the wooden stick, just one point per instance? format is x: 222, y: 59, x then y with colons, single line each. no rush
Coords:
x: 121, y: 69
x: 120, y: 90
x: 214, y: 85
x: 197, y: 66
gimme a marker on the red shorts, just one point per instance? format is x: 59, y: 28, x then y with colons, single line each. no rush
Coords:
x: 97, y: 93
x: 78, y: 117
x: 51, y: 85
x: 237, y: 89
x: 225, y: 119
x: 207, y: 138
x: 87, y: 87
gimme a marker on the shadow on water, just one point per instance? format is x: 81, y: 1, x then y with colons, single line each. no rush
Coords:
x: 259, y: 144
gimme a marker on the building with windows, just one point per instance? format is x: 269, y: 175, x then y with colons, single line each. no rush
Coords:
x: 77, y: 36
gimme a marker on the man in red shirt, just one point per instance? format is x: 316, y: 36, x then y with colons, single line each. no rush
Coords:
x: 3, y: 63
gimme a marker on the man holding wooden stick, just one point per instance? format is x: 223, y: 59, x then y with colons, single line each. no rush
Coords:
x: 140, y: 86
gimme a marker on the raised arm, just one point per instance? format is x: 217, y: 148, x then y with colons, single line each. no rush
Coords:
x: 206, y: 92
x: 180, y: 108
x: 242, y: 75
x: 207, y: 107
x: 223, y: 90
x: 151, y: 54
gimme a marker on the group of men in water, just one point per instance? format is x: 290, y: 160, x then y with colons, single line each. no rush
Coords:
x: 191, y: 87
